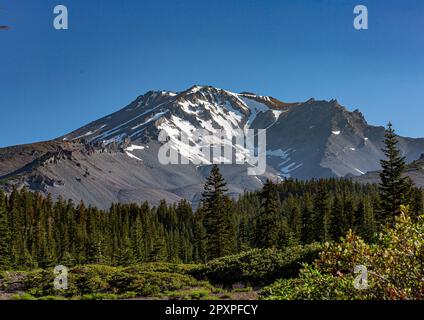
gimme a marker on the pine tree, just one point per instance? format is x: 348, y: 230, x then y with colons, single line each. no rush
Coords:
x: 349, y: 210
x: 338, y: 219
x: 5, y: 235
x: 321, y: 216
x: 307, y: 219
x: 267, y: 222
x: 138, y: 243
x: 417, y: 202
x: 158, y: 252
x: 294, y: 214
x: 395, y: 188
x: 93, y: 250
x: 367, y: 229
x: 218, y: 220
x: 199, y: 237
x: 243, y: 235
x: 359, y: 217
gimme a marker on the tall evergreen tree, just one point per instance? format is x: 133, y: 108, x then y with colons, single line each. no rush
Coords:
x: 243, y: 234
x: 218, y: 220
x: 367, y: 226
x: 267, y: 222
x: 349, y: 210
x: 307, y: 219
x: 359, y: 217
x: 322, y: 212
x: 294, y: 214
x: 337, y: 219
x: 395, y: 188
x: 5, y: 235
x: 417, y: 202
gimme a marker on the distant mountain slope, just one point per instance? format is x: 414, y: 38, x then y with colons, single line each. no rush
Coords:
x: 414, y: 170
x: 115, y: 158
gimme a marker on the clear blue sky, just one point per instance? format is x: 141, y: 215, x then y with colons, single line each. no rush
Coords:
x: 55, y: 81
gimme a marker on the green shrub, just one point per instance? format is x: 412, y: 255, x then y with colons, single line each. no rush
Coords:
x: 142, y: 280
x: 150, y: 283
x: 79, y: 284
x: 40, y: 283
x: 160, y: 267
x: 52, y: 298
x: 150, y: 290
x: 128, y: 295
x: 99, y: 296
x: 257, y: 266
x: 394, y: 265
x: 311, y: 285
x: 9, y: 278
x: 195, y: 294
x: 170, y: 281
x: 199, y: 294
x: 23, y: 296
x: 247, y: 289
x: 121, y: 282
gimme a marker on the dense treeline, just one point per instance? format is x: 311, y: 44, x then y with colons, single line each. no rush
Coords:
x: 35, y: 231
x: 38, y: 232
x: 316, y: 210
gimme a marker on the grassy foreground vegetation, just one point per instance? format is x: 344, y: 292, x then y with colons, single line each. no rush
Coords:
x: 395, y: 265
x: 229, y: 277
x: 291, y: 240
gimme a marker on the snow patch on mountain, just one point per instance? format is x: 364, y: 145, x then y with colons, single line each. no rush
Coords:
x: 278, y: 153
x: 255, y: 108
x: 277, y: 113
x: 134, y: 147
x: 286, y: 170
x: 132, y: 156
x: 361, y: 172
x: 116, y: 139
x: 286, y: 167
x: 153, y: 118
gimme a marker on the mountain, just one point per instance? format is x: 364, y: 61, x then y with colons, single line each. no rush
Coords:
x: 414, y: 170
x: 115, y: 158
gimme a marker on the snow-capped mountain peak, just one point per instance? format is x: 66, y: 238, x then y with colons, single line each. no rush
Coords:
x: 204, y: 107
x: 309, y: 139
x: 115, y: 158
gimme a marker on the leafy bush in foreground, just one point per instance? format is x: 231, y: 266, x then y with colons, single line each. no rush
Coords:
x: 161, y: 267
x: 105, y: 282
x: 257, y: 266
x: 150, y: 283
x: 395, y: 266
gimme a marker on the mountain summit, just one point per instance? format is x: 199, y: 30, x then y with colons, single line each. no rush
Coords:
x: 115, y: 158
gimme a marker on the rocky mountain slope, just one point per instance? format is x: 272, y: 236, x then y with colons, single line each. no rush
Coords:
x: 414, y: 170
x: 115, y: 158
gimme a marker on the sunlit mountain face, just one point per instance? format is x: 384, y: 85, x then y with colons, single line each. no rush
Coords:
x: 115, y: 158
